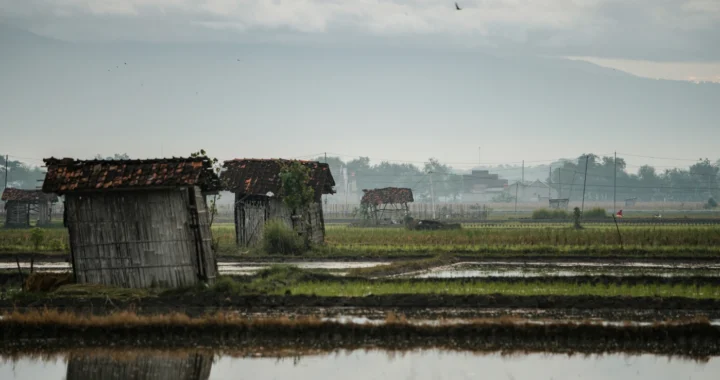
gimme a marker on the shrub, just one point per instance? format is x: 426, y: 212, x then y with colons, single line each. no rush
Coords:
x: 280, y: 239
x: 549, y: 214
x: 47, y: 282
x: 596, y: 213
x: 711, y: 203
x: 37, y: 237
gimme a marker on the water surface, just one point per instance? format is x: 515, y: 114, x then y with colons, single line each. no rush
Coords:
x: 357, y: 365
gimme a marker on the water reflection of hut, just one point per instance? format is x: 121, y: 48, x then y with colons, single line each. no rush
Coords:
x: 139, y: 366
x: 21, y: 204
x: 137, y: 223
x: 258, y: 199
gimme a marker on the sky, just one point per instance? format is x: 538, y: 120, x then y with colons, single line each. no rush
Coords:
x: 498, y: 82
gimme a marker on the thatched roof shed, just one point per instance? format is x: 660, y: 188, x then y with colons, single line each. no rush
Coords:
x: 387, y: 195
x: 388, y: 202
x: 137, y: 223
x: 258, y: 197
x: 20, y: 204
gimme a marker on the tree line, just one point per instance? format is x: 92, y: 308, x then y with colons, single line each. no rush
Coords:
x: 697, y: 183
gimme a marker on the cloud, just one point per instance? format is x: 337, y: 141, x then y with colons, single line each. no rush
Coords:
x: 649, y: 29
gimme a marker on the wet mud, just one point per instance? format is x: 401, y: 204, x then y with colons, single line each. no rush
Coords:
x: 692, y: 339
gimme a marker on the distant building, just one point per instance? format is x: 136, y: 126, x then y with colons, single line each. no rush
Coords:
x: 258, y: 199
x: 387, y: 202
x: 137, y: 223
x: 481, y: 186
x: 536, y: 191
x: 21, y: 204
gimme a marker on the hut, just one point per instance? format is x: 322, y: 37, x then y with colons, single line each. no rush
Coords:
x: 21, y: 204
x: 387, y: 202
x: 137, y: 223
x: 257, y: 187
x: 140, y: 365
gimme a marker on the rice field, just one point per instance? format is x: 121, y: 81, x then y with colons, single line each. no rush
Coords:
x: 663, y: 240
x: 530, y: 288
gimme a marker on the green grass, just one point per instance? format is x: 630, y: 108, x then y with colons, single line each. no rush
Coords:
x: 382, y: 242
x: 364, y: 288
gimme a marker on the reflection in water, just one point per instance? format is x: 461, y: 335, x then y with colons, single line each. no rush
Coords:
x: 351, y: 365
x: 161, y: 366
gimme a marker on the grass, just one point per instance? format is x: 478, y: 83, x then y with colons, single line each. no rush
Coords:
x: 530, y: 288
x: 556, y: 240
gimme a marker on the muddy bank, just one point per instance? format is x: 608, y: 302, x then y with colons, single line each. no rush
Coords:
x: 400, y: 301
x: 692, y: 339
x: 617, y: 259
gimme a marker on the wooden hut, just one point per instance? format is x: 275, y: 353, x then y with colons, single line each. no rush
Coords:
x: 388, y: 202
x: 137, y: 223
x: 256, y: 184
x: 21, y: 204
x: 139, y: 365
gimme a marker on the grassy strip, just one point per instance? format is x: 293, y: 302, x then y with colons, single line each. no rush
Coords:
x: 530, y: 288
x: 384, y: 240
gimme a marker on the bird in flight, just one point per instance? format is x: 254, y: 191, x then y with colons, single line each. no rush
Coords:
x: 457, y: 7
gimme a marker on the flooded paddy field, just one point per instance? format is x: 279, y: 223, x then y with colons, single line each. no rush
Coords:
x: 568, y: 269
x: 428, y: 364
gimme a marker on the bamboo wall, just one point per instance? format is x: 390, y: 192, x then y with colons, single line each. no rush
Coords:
x: 103, y: 366
x: 137, y: 239
x: 17, y: 214
x: 252, y: 214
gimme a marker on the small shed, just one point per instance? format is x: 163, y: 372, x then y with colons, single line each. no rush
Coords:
x: 388, y: 201
x: 21, y: 204
x: 257, y: 187
x: 559, y: 204
x: 137, y: 223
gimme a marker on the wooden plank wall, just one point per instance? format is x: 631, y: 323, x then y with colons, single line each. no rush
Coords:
x: 132, y: 239
x: 208, y: 266
x: 160, y: 366
x: 17, y: 214
x: 251, y: 216
x: 43, y: 210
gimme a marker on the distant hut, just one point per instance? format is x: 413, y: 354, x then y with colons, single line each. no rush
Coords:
x: 258, y: 199
x: 21, y: 204
x: 137, y: 223
x: 387, y: 202
x: 139, y: 365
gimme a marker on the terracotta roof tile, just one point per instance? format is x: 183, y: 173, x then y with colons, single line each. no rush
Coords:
x: 387, y: 195
x: 10, y: 194
x: 260, y: 176
x: 68, y: 175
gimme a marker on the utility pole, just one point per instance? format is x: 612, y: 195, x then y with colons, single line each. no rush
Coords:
x: 6, y: 170
x: 550, y: 185
x: 517, y: 186
x: 432, y: 194
x: 582, y: 207
x: 560, y: 183
x: 615, y: 186
x: 326, y: 197
x: 523, y: 172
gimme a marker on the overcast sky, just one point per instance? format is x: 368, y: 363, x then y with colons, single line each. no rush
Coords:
x: 276, y: 104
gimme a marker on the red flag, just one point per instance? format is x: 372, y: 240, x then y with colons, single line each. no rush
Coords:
x: 619, y: 214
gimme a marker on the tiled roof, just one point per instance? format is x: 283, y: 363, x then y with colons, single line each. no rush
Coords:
x: 11, y: 194
x: 260, y: 176
x: 69, y: 175
x: 387, y: 195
